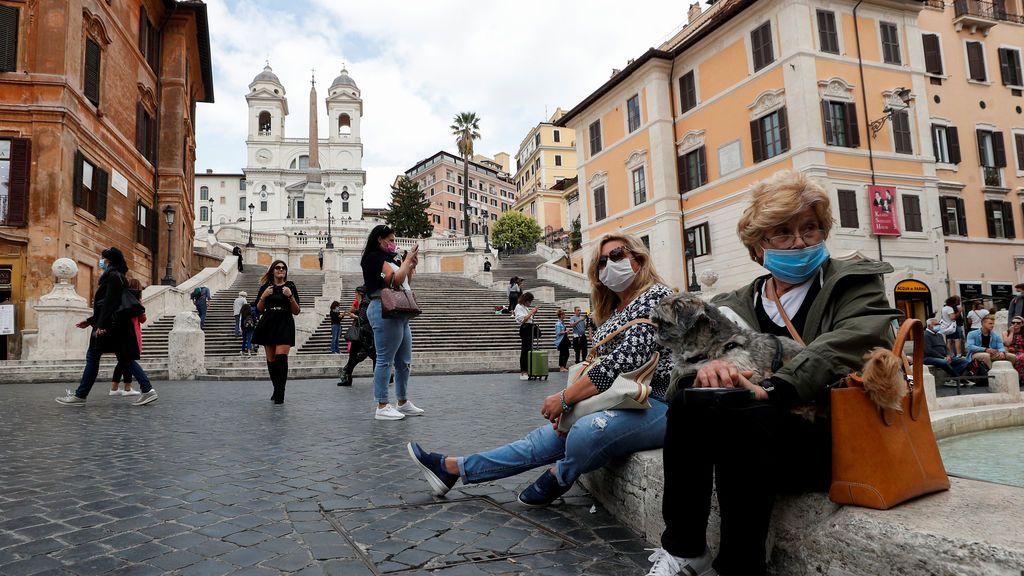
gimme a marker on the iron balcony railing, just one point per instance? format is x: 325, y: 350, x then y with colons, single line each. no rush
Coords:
x: 980, y: 9
x: 992, y: 176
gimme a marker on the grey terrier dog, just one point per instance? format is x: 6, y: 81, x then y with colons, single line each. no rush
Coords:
x: 697, y: 332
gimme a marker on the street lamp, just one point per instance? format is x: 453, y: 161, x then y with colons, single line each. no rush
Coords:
x: 330, y: 243
x: 168, y: 279
x: 690, y: 265
x: 210, y: 229
x: 483, y: 228
x: 249, y: 244
x: 905, y: 96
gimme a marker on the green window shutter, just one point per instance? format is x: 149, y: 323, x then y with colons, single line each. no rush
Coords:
x: 953, y: 143
x: 999, y: 149
x: 852, y: 128
x: 990, y: 218
x: 756, y: 141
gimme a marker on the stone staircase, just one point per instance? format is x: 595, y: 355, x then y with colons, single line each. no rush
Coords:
x: 525, y: 266
x: 458, y: 316
x: 220, y: 322
x: 70, y: 371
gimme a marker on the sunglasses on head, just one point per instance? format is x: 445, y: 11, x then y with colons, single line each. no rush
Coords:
x: 615, y: 255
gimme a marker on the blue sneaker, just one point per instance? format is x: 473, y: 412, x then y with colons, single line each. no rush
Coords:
x: 432, y: 465
x: 544, y: 491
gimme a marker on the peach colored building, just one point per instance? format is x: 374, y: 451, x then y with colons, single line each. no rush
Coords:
x: 547, y: 155
x: 491, y: 191
x: 669, y: 146
x: 973, y: 64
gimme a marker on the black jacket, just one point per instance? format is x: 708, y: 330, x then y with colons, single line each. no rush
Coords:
x: 120, y: 336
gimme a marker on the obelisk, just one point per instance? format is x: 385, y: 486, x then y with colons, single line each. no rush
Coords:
x: 313, y: 192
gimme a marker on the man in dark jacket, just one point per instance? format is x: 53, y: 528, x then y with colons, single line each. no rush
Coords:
x: 936, y: 353
x: 1016, y: 307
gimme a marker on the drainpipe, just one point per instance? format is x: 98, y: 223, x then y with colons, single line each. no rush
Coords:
x: 682, y: 219
x: 867, y: 119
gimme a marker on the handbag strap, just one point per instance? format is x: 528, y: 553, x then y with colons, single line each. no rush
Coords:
x: 769, y: 289
x: 608, y: 338
x: 914, y: 329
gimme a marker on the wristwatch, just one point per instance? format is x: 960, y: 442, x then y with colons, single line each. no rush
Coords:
x: 565, y: 406
x: 768, y: 384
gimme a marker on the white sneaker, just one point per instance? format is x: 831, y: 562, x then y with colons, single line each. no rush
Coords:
x: 70, y: 399
x: 115, y: 393
x: 146, y: 398
x: 524, y: 377
x: 666, y: 564
x: 410, y: 409
x: 131, y: 392
x: 388, y: 412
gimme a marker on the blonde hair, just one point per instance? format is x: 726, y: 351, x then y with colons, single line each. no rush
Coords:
x: 602, y: 299
x: 777, y: 199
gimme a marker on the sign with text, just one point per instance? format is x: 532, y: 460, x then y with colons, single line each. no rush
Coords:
x: 119, y: 182
x: 6, y: 319
x: 884, y: 221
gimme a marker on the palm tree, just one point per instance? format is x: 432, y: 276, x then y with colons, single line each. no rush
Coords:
x: 466, y: 128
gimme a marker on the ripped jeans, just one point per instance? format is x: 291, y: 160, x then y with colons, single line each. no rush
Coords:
x: 591, y: 442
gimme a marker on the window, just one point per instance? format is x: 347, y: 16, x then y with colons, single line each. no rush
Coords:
x: 437, y: 219
x: 633, y: 112
x: 945, y: 144
x: 848, y: 209
x: 761, y: 46
x: 639, y: 186
x: 90, y: 187
x: 646, y: 241
x: 145, y: 224
x: 451, y: 223
x: 687, y: 92
x: 302, y: 162
x: 902, y: 142
x: 595, y: 137
x: 91, y: 81
x: 600, y: 211
x: 451, y: 189
x: 145, y: 133
x: 344, y: 206
x: 557, y: 135
x: 698, y: 240
x: 1018, y: 139
x: 954, y: 219
x: 976, y: 62
x: 932, y: 54
x: 344, y: 125
x: 890, y: 43
x: 1009, y: 66
x: 828, y: 37
x: 991, y: 156
x: 241, y: 183
x: 264, y: 123
x: 15, y: 162
x: 558, y: 159
x: 8, y: 38
x: 204, y: 213
x: 263, y: 205
x: 472, y: 196
x: 912, y: 213
x: 693, y: 170
x: 451, y: 205
x: 999, y: 217
x: 241, y: 204
x: 769, y: 135
x: 204, y: 193
x: 840, y: 119
x: 148, y: 38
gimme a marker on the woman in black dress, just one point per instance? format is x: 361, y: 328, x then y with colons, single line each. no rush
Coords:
x: 277, y: 301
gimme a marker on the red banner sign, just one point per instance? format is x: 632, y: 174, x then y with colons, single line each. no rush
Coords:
x: 884, y: 221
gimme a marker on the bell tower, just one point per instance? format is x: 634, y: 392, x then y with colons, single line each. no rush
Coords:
x: 344, y: 109
x: 268, y: 106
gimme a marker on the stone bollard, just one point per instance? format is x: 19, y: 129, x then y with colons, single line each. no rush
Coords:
x: 57, y: 313
x: 929, y: 389
x: 186, y: 348
x: 1003, y: 379
x: 543, y: 293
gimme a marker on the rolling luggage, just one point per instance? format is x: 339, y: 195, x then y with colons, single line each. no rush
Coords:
x: 537, y: 365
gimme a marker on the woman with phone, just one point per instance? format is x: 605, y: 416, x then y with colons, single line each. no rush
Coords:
x: 277, y: 301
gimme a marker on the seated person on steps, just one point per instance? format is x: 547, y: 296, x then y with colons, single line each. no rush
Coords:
x: 986, y: 345
x: 937, y: 354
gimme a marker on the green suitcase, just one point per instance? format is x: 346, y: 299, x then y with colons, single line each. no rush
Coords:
x: 538, y: 364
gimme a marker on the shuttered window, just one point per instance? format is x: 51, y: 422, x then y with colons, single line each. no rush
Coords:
x: 954, y: 220
x: 600, y: 210
x: 945, y: 144
x: 639, y: 186
x: 761, y: 46
x: 595, y: 137
x: 999, y: 217
x: 92, y: 71
x: 902, y: 142
x: 145, y: 225
x: 148, y: 38
x: 698, y: 240
x: 976, y: 61
x: 1019, y: 141
x: 932, y: 54
x: 145, y: 133
x: 687, y: 92
x: 991, y: 150
x: 828, y: 37
x: 8, y: 38
x: 840, y: 120
x: 89, y: 188
x: 15, y: 168
x: 769, y: 135
x: 848, y: 209
x: 890, y: 43
x: 1009, y: 66
x: 693, y: 171
x: 912, y: 213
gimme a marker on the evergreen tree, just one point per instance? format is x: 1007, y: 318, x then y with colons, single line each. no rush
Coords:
x: 407, y: 212
x: 516, y: 228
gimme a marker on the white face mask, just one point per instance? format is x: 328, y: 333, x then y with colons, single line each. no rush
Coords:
x: 617, y: 276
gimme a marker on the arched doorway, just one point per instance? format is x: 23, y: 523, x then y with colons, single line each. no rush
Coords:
x: 914, y: 299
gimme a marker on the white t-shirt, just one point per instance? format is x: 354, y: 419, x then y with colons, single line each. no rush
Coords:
x: 237, y: 305
x: 976, y: 316
x: 521, y: 313
x: 394, y: 268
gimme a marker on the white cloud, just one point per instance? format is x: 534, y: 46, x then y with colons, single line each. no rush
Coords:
x: 417, y: 64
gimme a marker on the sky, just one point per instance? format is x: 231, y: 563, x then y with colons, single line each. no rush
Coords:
x: 417, y: 64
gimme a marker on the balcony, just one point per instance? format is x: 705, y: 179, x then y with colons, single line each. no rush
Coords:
x: 979, y: 16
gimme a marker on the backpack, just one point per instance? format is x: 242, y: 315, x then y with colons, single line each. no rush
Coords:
x: 197, y: 292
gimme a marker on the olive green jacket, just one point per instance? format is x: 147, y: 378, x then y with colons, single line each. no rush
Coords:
x: 850, y: 316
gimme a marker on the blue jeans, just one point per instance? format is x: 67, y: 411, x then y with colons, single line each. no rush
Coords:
x: 954, y: 368
x: 238, y: 325
x: 201, y: 309
x: 335, y: 334
x: 247, y: 339
x: 392, y: 338
x: 92, y: 369
x: 591, y: 442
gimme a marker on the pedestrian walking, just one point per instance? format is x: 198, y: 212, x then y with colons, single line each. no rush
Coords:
x: 122, y: 372
x: 514, y: 291
x: 111, y: 333
x: 236, y: 309
x: 524, y: 313
x: 336, y: 312
x: 278, y: 303
x: 562, y: 342
x: 578, y: 323
x: 320, y: 257
x: 201, y: 298
x: 248, y: 319
x: 238, y: 252
x: 363, y: 347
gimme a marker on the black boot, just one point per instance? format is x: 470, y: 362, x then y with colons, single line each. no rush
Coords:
x: 346, y: 378
x: 272, y: 370
x: 282, y: 377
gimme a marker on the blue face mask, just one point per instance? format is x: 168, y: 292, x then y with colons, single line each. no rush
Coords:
x: 795, y: 266
x: 103, y: 264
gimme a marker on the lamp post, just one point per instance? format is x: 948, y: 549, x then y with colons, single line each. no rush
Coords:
x: 168, y: 279
x: 483, y: 228
x: 210, y: 229
x: 693, y: 286
x: 905, y: 96
x: 330, y: 243
x: 249, y: 244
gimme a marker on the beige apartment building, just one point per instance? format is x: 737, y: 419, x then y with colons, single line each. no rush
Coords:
x: 547, y: 156
x: 491, y: 191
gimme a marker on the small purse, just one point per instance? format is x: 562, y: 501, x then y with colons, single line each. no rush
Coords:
x: 353, y: 333
x: 629, y: 391
x: 398, y: 303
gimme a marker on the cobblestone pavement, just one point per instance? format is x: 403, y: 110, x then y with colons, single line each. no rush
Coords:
x: 213, y: 479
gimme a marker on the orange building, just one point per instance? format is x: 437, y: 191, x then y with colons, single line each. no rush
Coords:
x: 546, y: 156
x: 97, y: 137
x: 669, y: 147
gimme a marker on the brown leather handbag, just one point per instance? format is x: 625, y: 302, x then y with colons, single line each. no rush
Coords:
x: 883, y: 457
x: 398, y: 303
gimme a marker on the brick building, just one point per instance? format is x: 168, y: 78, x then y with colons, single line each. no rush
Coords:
x: 97, y: 136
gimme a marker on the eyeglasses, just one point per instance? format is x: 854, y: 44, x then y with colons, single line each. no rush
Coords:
x: 810, y: 236
x: 279, y: 267
x: 615, y: 255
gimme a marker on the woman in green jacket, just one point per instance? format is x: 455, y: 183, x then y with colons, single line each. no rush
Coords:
x: 779, y: 441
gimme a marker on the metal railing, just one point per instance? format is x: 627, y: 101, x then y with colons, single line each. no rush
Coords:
x: 992, y: 176
x: 981, y: 9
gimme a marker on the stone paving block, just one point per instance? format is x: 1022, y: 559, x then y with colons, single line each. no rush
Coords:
x: 247, y: 556
x: 212, y: 548
x: 207, y: 567
x: 28, y: 566
x: 290, y: 562
x: 98, y: 565
x: 175, y: 560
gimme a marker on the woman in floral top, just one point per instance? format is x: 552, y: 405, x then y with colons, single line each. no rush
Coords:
x: 624, y: 287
